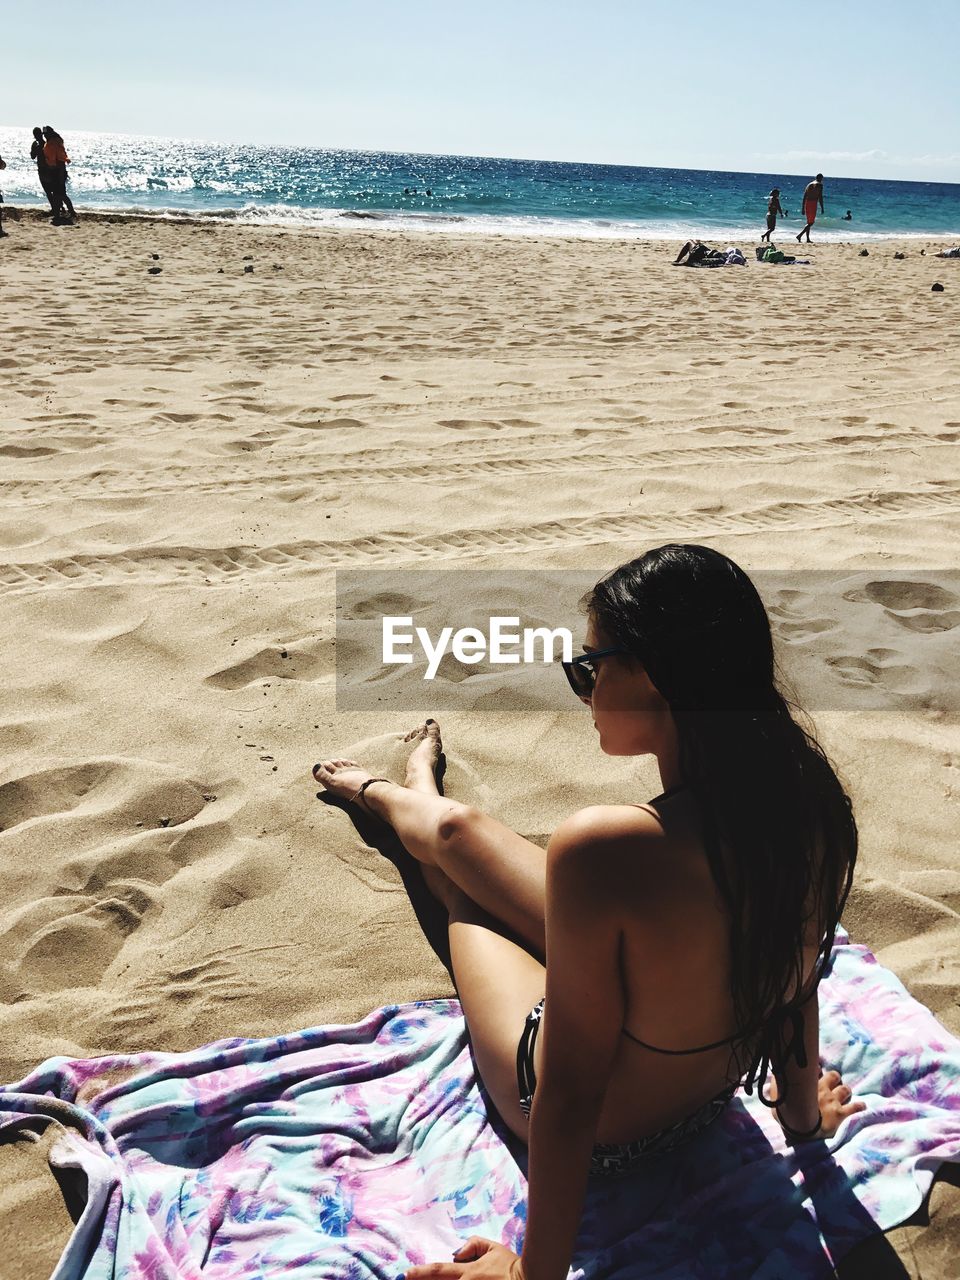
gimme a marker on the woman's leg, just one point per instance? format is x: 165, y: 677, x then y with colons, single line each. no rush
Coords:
x: 499, y: 870
x: 498, y: 983
x: 57, y: 195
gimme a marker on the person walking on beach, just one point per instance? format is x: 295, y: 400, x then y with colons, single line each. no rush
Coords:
x: 55, y: 155
x: 43, y: 169
x: 773, y: 208
x: 3, y: 165
x: 812, y: 196
x: 620, y: 985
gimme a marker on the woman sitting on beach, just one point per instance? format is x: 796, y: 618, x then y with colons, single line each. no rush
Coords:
x: 686, y: 937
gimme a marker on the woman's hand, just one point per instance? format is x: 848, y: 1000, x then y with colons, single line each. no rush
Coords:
x: 478, y: 1259
x: 835, y: 1101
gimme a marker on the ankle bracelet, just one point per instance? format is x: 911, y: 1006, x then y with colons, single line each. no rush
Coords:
x: 358, y: 794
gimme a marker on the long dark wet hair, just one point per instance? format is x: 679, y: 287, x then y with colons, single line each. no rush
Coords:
x: 765, y: 789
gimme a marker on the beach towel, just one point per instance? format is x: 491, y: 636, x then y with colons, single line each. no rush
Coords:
x: 357, y: 1151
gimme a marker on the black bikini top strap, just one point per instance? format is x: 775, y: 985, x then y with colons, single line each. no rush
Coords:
x: 677, y: 1053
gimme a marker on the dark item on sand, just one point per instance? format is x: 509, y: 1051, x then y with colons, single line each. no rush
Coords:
x: 936, y: 287
x: 864, y: 253
x: 899, y: 256
x: 697, y: 254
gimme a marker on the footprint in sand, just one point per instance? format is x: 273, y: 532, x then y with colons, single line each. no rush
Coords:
x: 917, y: 606
x: 320, y: 424
x: 77, y: 949
x: 23, y: 451
x: 878, y: 668
x: 162, y: 800
x: 245, y: 446
x: 278, y: 663
x: 51, y: 791
x: 202, y: 985
x: 463, y: 424
x: 70, y: 934
x: 791, y: 620
x: 383, y: 604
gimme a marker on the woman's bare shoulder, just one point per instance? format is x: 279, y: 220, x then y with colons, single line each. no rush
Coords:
x: 620, y: 850
x: 600, y: 825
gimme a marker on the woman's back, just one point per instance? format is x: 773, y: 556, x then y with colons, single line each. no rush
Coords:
x: 679, y: 1019
x: 675, y: 970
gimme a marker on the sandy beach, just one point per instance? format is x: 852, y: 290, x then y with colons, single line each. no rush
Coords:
x: 186, y: 457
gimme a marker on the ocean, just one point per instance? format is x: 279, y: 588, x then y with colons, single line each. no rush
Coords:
x: 312, y: 186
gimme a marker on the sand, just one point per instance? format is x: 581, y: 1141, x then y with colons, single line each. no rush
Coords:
x: 185, y: 459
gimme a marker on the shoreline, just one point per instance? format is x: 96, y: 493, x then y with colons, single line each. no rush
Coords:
x: 386, y: 221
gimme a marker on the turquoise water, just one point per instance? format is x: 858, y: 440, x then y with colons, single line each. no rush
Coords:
x: 300, y: 185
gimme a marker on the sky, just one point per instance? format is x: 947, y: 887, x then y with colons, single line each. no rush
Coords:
x: 853, y: 88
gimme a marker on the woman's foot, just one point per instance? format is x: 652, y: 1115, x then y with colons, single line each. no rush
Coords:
x: 424, y: 758
x: 342, y: 778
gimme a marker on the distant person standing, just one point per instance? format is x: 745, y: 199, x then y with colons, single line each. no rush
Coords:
x: 812, y: 196
x: 43, y: 169
x: 773, y: 208
x: 55, y: 154
x: 3, y: 165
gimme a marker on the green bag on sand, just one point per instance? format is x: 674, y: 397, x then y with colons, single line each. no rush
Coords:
x: 774, y: 255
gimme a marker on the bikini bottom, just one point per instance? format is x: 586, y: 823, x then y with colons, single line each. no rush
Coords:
x: 612, y: 1158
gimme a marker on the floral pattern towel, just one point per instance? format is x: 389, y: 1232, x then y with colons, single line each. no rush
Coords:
x: 346, y: 1153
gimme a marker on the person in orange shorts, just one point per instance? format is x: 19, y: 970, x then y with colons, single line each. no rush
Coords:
x: 812, y: 196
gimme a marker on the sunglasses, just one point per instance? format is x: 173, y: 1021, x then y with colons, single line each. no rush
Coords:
x: 581, y: 673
